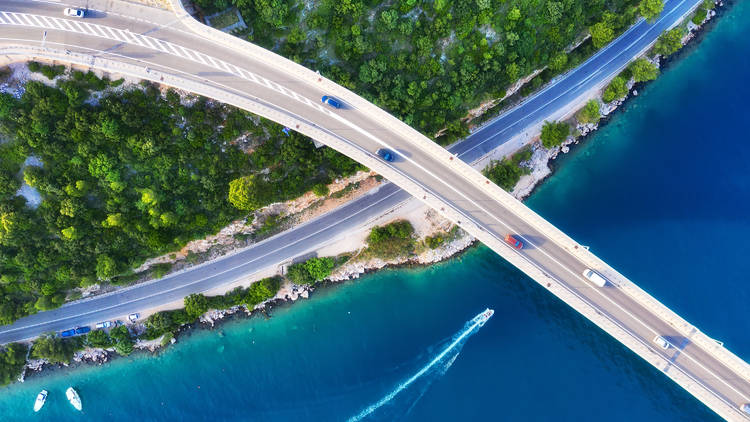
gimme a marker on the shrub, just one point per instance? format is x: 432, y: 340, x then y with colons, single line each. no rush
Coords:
x: 643, y: 70
x: 616, y: 89
x: 12, y: 360
x: 554, y: 133
x: 392, y: 240
x: 699, y: 16
x: 35, y: 67
x: 122, y: 339
x: 669, y: 42
x: 99, y: 338
x: 51, y: 71
x: 589, y: 113
x: 321, y: 189
x: 55, y: 349
x: 196, y: 305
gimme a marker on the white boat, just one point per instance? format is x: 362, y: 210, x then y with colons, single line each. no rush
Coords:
x: 40, y: 399
x: 482, y: 318
x: 73, y: 398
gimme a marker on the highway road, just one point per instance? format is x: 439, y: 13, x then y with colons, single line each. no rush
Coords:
x: 157, y: 40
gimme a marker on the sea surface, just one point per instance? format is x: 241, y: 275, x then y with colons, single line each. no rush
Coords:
x: 661, y: 192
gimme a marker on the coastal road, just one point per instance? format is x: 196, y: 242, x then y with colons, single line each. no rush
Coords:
x: 126, y: 35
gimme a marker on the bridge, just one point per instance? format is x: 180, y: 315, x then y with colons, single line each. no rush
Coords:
x: 173, y: 49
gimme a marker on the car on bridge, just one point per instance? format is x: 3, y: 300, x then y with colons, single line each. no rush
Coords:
x: 74, y: 13
x: 512, y: 241
x: 387, y: 155
x: 594, y: 277
x: 326, y: 99
x: 662, y: 342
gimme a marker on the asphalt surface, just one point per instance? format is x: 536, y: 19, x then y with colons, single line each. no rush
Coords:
x: 165, y: 44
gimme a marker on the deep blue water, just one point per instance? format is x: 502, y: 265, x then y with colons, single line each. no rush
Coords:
x: 661, y: 193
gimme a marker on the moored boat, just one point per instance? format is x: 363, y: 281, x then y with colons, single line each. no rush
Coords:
x: 73, y: 398
x: 40, y: 399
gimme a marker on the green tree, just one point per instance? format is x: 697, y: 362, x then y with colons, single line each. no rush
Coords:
x: 55, y: 349
x: 558, y: 62
x: 643, y: 70
x: 247, y: 193
x: 106, y: 267
x: 617, y: 88
x: 590, y: 112
x: 98, y: 338
x: 553, y: 133
x: 196, y: 305
x: 669, y: 41
x: 12, y: 360
x: 650, y: 9
x: 319, y: 268
x: 122, y: 339
x: 298, y: 274
x: 320, y: 189
x: 601, y: 34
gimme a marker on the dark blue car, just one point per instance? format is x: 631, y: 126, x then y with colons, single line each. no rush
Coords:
x: 68, y: 333
x: 387, y: 155
x: 82, y: 330
x: 331, y: 101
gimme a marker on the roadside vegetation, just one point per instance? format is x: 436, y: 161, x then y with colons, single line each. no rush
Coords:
x: 508, y: 171
x: 390, y: 241
x: 429, y: 62
x: 12, y: 360
x: 129, y: 176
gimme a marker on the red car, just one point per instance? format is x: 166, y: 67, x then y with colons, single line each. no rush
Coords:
x: 512, y: 241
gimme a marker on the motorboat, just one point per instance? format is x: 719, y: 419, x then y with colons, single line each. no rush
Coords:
x: 40, y: 399
x: 73, y: 398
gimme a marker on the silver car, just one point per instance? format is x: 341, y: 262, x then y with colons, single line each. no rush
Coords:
x: 662, y: 342
x: 74, y: 13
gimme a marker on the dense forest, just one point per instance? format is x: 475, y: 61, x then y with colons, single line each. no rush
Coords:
x: 129, y: 176
x: 428, y: 62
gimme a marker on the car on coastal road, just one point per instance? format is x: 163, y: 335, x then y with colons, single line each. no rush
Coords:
x: 327, y: 99
x: 104, y: 324
x: 133, y: 317
x: 74, y: 13
x: 512, y: 241
x: 387, y: 155
x: 745, y: 408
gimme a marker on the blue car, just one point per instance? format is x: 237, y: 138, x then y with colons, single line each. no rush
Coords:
x: 82, y: 330
x: 387, y: 155
x: 68, y: 333
x: 331, y: 101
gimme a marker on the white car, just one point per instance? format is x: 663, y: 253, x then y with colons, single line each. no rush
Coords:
x: 662, y: 342
x: 105, y: 324
x: 745, y: 408
x: 74, y: 13
x: 133, y: 317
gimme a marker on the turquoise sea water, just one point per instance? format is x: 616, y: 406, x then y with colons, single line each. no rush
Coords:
x: 661, y: 193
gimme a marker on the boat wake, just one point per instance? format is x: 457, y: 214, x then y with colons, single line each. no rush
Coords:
x: 433, y: 370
